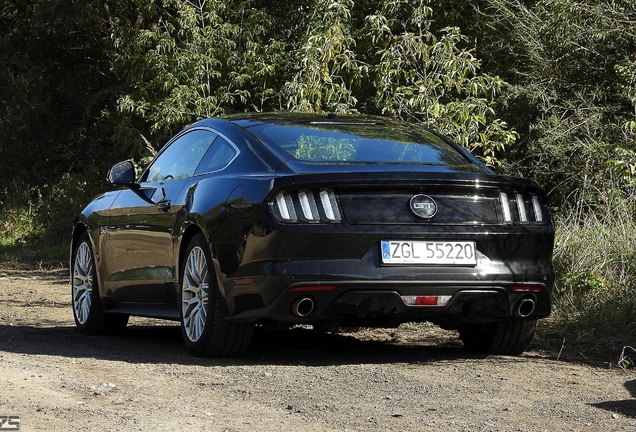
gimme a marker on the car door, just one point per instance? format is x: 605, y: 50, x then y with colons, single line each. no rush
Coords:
x: 143, y: 222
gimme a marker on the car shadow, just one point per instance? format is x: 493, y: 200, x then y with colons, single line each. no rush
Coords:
x: 164, y: 344
x: 625, y: 407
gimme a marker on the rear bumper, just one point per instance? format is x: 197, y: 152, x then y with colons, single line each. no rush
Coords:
x: 382, y: 304
x: 367, y: 292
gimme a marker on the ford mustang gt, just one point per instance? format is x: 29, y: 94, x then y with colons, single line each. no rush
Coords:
x: 326, y: 220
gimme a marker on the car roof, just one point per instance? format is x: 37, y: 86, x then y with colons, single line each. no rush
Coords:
x: 247, y: 120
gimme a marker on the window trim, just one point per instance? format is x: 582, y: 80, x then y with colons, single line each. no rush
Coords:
x: 238, y: 152
x: 179, y: 135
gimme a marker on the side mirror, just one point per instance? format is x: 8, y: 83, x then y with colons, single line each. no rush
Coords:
x: 122, y: 173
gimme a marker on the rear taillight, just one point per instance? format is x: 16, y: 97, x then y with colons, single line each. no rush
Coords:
x: 306, y: 206
x: 522, y: 208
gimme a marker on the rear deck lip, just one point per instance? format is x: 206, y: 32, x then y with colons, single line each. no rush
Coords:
x: 387, y: 174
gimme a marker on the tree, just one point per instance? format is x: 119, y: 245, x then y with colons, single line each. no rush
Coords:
x: 328, y: 69
x: 88, y: 83
x: 194, y: 59
x: 434, y: 79
x: 571, y: 68
x: 55, y: 78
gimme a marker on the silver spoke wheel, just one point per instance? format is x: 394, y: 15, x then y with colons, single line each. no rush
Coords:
x: 194, y: 294
x: 82, y: 283
x: 205, y: 330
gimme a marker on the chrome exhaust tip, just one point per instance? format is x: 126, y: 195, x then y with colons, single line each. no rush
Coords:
x: 525, y: 307
x: 303, y: 307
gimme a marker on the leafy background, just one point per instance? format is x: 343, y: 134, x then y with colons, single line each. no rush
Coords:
x: 535, y: 88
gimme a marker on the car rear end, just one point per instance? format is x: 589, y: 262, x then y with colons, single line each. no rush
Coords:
x: 381, y: 242
x: 365, y: 256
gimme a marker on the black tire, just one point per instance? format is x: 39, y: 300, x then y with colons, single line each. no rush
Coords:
x: 510, y: 337
x: 203, y: 308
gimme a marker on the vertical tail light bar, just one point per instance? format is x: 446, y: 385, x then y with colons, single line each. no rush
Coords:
x: 525, y: 208
x: 538, y: 213
x: 521, y: 206
x: 285, y: 207
x: 329, y: 204
x: 306, y: 206
x: 505, y: 206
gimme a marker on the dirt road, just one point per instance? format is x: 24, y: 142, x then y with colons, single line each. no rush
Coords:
x: 410, y: 379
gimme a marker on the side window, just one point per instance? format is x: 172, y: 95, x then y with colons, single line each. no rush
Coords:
x: 182, y: 157
x: 218, y: 157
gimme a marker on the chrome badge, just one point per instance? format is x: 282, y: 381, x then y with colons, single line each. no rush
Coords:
x: 423, y: 206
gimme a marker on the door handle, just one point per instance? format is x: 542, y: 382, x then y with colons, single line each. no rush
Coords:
x: 163, y: 205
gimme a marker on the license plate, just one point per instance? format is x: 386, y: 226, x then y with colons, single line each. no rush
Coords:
x: 428, y: 252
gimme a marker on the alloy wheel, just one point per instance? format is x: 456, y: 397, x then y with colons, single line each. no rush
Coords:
x: 194, y: 294
x: 82, y: 283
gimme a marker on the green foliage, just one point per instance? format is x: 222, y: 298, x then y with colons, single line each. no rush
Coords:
x: 62, y: 201
x: 595, y: 263
x: 324, y: 148
x: 18, y: 226
x: 327, y: 60
x: 46, y: 213
x: 543, y: 88
x: 571, y: 69
x: 397, y: 66
x: 55, y: 78
x: 56, y: 88
x: 194, y: 59
x: 432, y: 79
x: 199, y: 59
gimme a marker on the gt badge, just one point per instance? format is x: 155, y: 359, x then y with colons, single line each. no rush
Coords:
x: 423, y: 206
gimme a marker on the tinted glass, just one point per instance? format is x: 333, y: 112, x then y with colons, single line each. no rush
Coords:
x: 359, y: 143
x: 182, y: 157
x: 218, y: 156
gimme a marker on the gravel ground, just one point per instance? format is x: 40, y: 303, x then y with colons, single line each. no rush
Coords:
x: 415, y: 378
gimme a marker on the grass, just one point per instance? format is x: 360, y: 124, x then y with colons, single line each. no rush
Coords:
x: 33, y: 257
x: 595, y: 265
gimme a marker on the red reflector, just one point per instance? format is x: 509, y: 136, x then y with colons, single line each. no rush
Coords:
x: 314, y: 288
x: 426, y: 301
x: 526, y: 288
x: 243, y: 281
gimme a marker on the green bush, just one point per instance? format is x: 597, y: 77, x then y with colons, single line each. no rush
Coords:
x: 45, y: 214
x: 595, y: 264
x: 17, y: 226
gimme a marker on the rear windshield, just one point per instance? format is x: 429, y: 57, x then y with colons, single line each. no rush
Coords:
x: 329, y: 142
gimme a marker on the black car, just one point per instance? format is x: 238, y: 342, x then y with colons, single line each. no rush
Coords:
x: 332, y: 221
